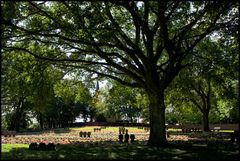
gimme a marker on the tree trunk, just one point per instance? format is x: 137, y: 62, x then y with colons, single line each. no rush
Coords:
x: 49, y: 122
x: 91, y: 117
x: 16, y: 117
x: 19, y: 117
x: 205, y: 122
x: 157, y: 121
x: 41, y: 121
x: 54, y: 125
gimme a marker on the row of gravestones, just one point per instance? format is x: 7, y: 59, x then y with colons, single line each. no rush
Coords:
x: 146, y: 129
x: 42, y: 146
x: 123, y: 130
x: 188, y: 130
x: 84, y: 134
x: 126, y: 138
x: 9, y: 133
x: 97, y: 129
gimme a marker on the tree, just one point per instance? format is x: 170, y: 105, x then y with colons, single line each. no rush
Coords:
x: 15, y: 88
x: 74, y: 91
x: 139, y: 44
x: 27, y: 85
x: 208, y: 83
x: 119, y: 102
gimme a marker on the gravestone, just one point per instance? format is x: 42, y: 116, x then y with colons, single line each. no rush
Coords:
x: 6, y: 134
x: 89, y: 134
x: 84, y: 134
x: 183, y: 130
x: 167, y: 134
x: 146, y: 129
x: 13, y: 133
x: 122, y: 130
x: 216, y: 129
x: 80, y: 133
x: 119, y: 131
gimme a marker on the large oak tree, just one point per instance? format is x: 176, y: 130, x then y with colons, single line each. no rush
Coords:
x: 139, y: 44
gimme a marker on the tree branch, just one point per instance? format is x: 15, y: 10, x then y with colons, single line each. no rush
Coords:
x: 58, y: 36
x: 136, y: 85
x: 211, y: 27
x: 52, y: 59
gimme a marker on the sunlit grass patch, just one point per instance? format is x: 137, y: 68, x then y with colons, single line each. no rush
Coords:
x: 110, y: 129
x: 8, y: 147
x: 226, y: 131
x: 171, y: 129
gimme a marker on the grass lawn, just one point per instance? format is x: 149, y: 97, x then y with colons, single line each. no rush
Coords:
x: 193, y: 146
x: 113, y: 129
x: 230, y: 131
x: 114, y: 150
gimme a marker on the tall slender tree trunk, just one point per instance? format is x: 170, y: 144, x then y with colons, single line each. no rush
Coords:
x: 157, y: 120
x: 91, y: 117
x: 54, y: 125
x: 41, y: 121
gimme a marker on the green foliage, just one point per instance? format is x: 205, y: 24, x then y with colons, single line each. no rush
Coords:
x: 37, y: 84
x: 213, y: 73
x: 121, y: 102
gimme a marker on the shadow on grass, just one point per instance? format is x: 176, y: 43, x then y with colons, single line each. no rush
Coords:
x: 39, y: 132
x: 106, y: 150
x: 30, y: 133
x: 61, y: 130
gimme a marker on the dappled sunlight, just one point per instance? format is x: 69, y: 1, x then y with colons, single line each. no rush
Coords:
x: 115, y: 150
